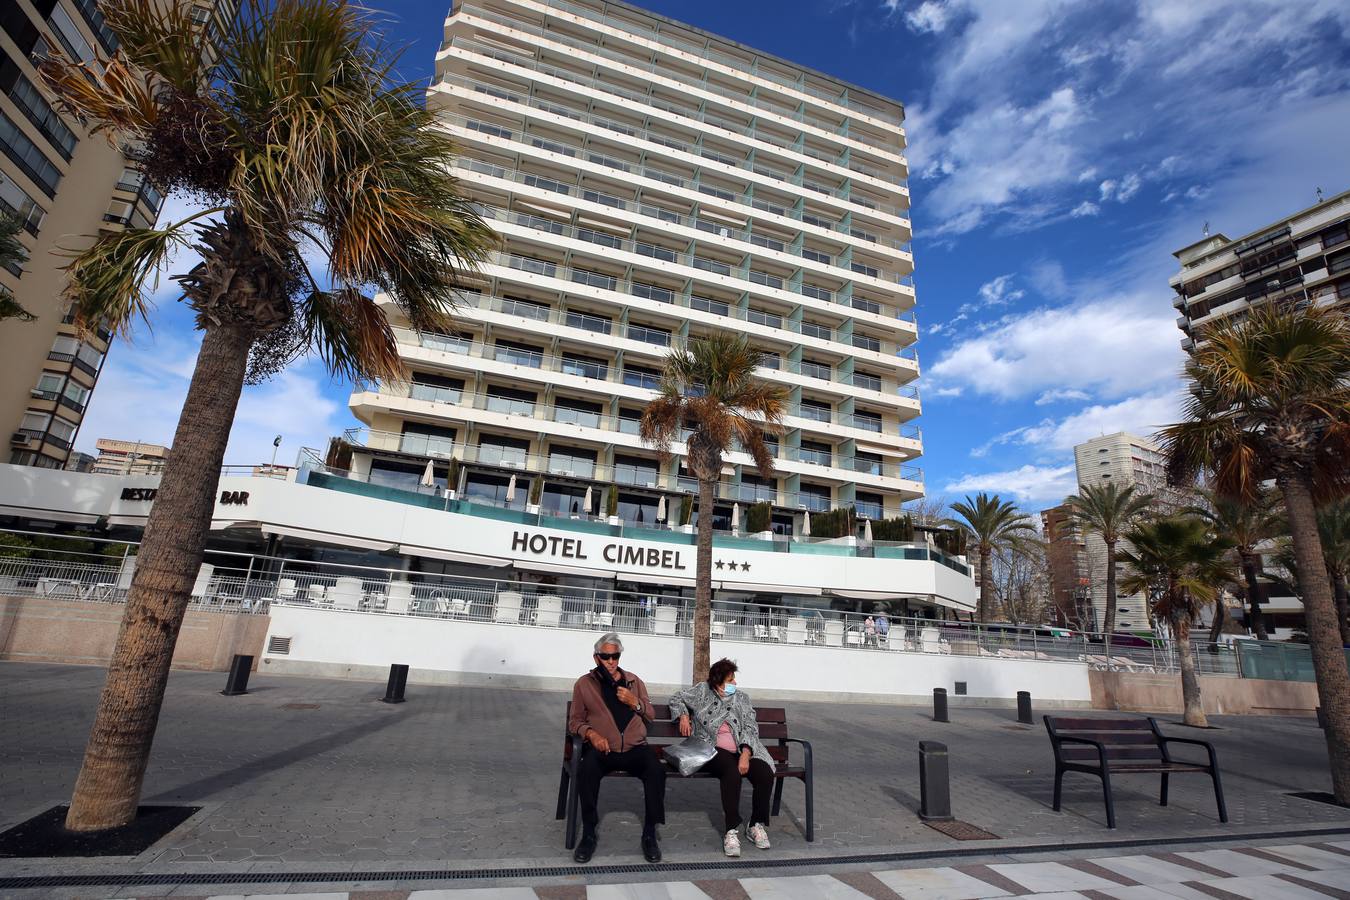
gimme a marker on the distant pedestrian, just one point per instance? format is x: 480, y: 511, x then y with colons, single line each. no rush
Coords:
x: 870, y: 631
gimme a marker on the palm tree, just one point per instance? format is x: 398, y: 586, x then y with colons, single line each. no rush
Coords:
x: 994, y: 524
x: 1333, y: 526
x: 1270, y: 399
x: 1247, y: 525
x: 301, y: 144
x: 12, y: 254
x: 1106, y: 509
x: 710, y: 389
x: 1179, y: 564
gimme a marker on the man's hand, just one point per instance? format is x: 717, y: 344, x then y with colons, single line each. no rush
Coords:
x: 597, y: 741
x: 744, y: 765
x: 628, y: 698
x: 685, y: 728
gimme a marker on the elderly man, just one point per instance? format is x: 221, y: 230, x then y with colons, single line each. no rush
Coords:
x: 610, y: 713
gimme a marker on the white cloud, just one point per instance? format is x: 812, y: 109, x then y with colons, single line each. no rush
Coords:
x: 997, y: 292
x: 1114, y: 345
x: 142, y: 388
x: 1061, y: 395
x: 928, y: 17
x: 1034, y: 486
x: 1086, y: 208
x: 945, y: 392
x: 1142, y: 415
x: 1120, y: 191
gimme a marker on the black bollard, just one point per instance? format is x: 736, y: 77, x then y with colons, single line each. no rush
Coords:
x: 939, y: 704
x: 237, y: 683
x: 1024, y: 707
x: 934, y: 783
x: 398, y: 681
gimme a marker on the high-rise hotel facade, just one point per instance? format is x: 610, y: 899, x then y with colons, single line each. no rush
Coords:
x: 652, y: 183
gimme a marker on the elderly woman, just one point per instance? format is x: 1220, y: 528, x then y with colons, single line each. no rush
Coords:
x: 720, y: 714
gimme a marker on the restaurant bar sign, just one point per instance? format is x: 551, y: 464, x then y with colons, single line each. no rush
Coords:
x: 615, y: 554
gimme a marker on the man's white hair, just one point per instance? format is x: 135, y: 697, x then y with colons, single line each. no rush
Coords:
x: 609, y: 637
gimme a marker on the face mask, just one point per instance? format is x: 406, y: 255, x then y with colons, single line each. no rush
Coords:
x: 728, y: 689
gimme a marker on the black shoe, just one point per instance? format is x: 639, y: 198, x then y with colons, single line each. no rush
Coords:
x: 585, y: 849
x: 651, y: 850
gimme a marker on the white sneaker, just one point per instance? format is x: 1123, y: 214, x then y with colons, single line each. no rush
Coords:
x: 759, y: 834
x: 731, y: 844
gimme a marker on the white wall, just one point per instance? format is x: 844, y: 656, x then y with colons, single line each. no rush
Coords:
x: 331, y: 642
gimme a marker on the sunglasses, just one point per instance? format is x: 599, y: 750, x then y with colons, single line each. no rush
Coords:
x: 607, y: 655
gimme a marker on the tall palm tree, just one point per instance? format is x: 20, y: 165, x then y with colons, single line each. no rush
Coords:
x: 994, y: 524
x: 1333, y: 526
x: 710, y: 388
x: 300, y: 143
x: 1247, y: 525
x: 1107, y: 510
x: 12, y: 253
x: 1270, y: 399
x: 1180, y: 564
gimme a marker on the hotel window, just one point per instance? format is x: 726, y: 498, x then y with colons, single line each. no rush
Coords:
x: 489, y: 128
x: 427, y: 440
x: 819, y: 293
x: 869, y: 506
x: 815, y: 497
x: 635, y: 470
x: 711, y: 265
x: 546, y: 184
x: 35, y: 424
x: 816, y: 330
x: 16, y: 202
x: 649, y: 335
x: 497, y: 450
x: 652, y: 292
x: 585, y: 366
x: 568, y: 499
x: 49, y: 386
x: 867, y: 381
x: 571, y: 462
x: 36, y: 108
x: 75, y: 396
x: 817, y: 256
x: 767, y: 242
x: 869, y: 271
x: 629, y: 420
x: 870, y: 463
x: 757, y: 489
x: 491, y: 489
x: 656, y: 252
x: 526, y: 309
x: 595, y: 279
x: 539, y: 223
x: 636, y: 376
x: 88, y: 359
x: 816, y: 452
x: 770, y: 361
x: 867, y: 421
x: 588, y: 322
x: 518, y: 354
x: 867, y: 342
x: 765, y: 279
x: 815, y: 410
x: 28, y: 156
x: 61, y: 432
x: 448, y: 343
x: 576, y: 412
x: 510, y: 401
x: 707, y: 304
x: 590, y: 235
x: 71, y: 38
x: 866, y: 305
x: 813, y: 369
x: 760, y: 317
x: 436, y: 388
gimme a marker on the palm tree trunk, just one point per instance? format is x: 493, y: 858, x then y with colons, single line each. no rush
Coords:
x: 1109, y: 623
x: 109, y: 785
x: 1216, y: 626
x: 1342, y: 606
x: 986, y: 582
x: 1255, y: 596
x: 1193, y: 710
x: 1324, y: 633
x: 703, y: 583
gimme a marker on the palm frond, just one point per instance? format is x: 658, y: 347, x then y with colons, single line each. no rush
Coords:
x: 109, y: 281
x: 161, y: 40
x: 351, y: 335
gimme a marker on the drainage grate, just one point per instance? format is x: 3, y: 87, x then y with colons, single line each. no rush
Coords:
x: 279, y: 646
x: 962, y: 831
x: 300, y: 706
x: 191, y: 878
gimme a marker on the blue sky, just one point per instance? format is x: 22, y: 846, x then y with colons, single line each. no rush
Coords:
x: 1060, y: 151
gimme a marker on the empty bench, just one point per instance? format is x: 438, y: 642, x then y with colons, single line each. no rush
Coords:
x: 1124, y: 745
x: 662, y: 732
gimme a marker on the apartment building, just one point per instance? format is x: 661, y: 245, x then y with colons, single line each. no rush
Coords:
x: 129, y: 457
x: 1121, y: 459
x: 1066, y: 560
x: 1302, y: 258
x: 652, y: 183
x: 64, y: 186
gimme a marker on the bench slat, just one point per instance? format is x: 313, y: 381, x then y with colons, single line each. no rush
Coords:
x: 1084, y: 752
x: 1113, y: 737
x: 1084, y: 723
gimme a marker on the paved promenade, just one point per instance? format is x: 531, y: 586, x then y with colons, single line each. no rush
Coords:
x: 315, y: 776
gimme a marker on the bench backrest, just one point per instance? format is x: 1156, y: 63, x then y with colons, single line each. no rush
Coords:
x: 1123, y: 737
x: 664, y: 730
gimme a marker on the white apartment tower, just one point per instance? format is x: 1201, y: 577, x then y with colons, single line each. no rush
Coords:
x: 652, y: 183
x: 1121, y: 459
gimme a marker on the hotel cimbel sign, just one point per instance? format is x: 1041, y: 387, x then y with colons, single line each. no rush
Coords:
x: 612, y: 553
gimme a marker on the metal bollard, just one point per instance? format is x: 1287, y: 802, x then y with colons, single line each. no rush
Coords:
x: 934, y: 783
x: 237, y: 682
x: 940, y: 705
x: 1024, y: 707
x: 398, y: 681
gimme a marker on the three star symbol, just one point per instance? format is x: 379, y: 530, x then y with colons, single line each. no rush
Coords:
x: 744, y: 566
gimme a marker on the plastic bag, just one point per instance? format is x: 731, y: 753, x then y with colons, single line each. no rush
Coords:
x: 688, y: 756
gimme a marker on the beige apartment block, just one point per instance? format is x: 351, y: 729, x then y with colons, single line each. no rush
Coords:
x: 65, y: 186
x: 129, y: 457
x: 1121, y: 459
x: 652, y: 183
x: 1303, y: 258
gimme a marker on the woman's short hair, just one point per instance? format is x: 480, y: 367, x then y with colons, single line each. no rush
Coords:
x: 720, y: 671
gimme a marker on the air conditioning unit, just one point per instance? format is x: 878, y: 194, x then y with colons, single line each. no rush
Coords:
x: 20, y: 439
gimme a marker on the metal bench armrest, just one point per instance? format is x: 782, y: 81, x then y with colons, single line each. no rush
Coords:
x: 1164, y: 740
x: 806, y: 748
x: 1067, y: 739
x: 577, y: 746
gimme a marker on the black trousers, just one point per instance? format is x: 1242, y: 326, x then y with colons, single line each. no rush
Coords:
x: 639, y: 762
x: 726, y: 766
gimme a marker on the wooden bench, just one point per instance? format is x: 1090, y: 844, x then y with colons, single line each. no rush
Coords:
x: 1122, y: 745
x: 663, y: 732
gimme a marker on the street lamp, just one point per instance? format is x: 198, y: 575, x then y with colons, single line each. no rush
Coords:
x: 276, y: 445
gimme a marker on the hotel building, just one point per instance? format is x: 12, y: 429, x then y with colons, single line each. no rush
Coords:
x: 1303, y: 258
x: 652, y: 183
x: 64, y: 186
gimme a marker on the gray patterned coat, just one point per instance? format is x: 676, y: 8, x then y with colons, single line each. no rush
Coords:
x: 707, y: 710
